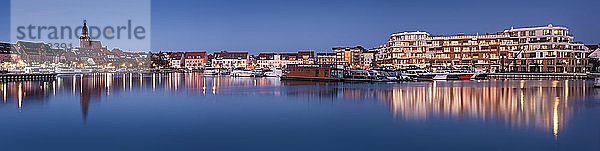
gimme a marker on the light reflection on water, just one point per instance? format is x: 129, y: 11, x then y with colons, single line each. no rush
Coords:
x: 545, y: 106
x: 538, y: 104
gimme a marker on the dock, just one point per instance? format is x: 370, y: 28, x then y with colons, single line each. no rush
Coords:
x: 28, y: 77
x: 538, y: 76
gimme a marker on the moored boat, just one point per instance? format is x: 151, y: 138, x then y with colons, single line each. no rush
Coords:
x: 273, y: 73
x: 440, y: 76
x: 242, y: 73
x: 466, y: 76
x: 331, y: 73
x: 210, y: 71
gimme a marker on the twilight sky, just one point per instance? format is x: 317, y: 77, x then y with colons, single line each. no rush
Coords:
x: 278, y: 25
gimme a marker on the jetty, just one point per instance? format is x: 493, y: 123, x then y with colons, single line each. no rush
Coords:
x: 27, y: 77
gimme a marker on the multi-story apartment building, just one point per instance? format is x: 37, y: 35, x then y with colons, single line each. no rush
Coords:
x: 306, y: 57
x: 408, y: 49
x: 349, y: 56
x: 195, y: 60
x: 535, y: 49
x: 229, y: 60
x: 327, y: 58
x: 547, y: 49
x: 381, y: 56
x: 479, y: 52
x: 367, y: 59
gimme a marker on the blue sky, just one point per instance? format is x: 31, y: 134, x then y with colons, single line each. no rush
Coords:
x: 276, y: 25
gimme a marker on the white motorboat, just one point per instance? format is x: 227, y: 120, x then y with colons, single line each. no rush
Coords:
x: 440, y: 76
x: 273, y: 73
x: 210, y: 71
x: 242, y: 73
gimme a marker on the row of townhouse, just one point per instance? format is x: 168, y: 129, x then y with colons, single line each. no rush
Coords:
x: 230, y: 59
x: 178, y: 60
x: 530, y: 49
x: 281, y: 60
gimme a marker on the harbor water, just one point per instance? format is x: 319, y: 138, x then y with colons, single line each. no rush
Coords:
x: 195, y: 112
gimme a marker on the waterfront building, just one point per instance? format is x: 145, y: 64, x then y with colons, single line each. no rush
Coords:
x: 252, y: 62
x: 306, y: 57
x: 276, y: 60
x: 367, y: 59
x: 408, y: 49
x: 34, y: 53
x: 230, y: 60
x: 489, y: 52
x: 159, y: 60
x: 533, y: 49
x: 281, y: 60
x: 7, y: 54
x: 594, y: 57
x: 326, y: 58
x: 381, y: 57
x: 547, y: 49
x: 195, y: 60
x: 349, y: 56
x: 176, y: 60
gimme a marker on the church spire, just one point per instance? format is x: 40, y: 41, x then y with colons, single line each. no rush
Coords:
x: 84, y: 29
x: 84, y: 39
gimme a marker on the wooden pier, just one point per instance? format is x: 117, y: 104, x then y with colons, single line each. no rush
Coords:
x: 538, y: 76
x: 27, y: 77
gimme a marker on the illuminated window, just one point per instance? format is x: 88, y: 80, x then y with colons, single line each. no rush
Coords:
x: 547, y: 32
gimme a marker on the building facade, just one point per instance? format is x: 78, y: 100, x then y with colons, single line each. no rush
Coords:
x: 230, y: 60
x: 175, y: 59
x: 408, y: 49
x: 281, y: 60
x: 306, y: 57
x: 488, y: 53
x: 533, y: 49
x: 367, y: 59
x: 195, y: 60
x: 349, y: 56
x: 547, y: 49
x: 35, y: 53
x: 276, y: 60
x: 327, y: 58
x: 6, y: 53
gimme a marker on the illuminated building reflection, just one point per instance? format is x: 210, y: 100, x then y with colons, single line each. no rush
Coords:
x: 545, y: 105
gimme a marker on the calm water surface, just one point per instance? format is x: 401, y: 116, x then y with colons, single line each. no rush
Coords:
x: 193, y: 112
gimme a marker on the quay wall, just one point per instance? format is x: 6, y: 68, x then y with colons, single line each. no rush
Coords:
x: 541, y: 76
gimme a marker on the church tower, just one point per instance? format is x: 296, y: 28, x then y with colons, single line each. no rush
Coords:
x: 84, y: 39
